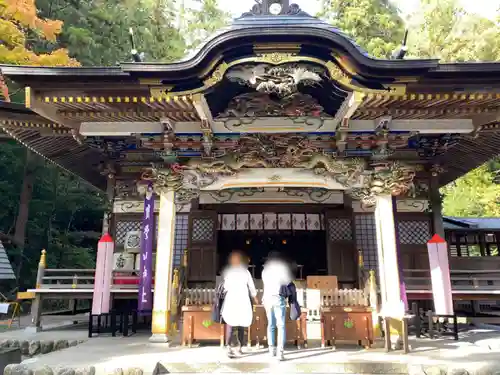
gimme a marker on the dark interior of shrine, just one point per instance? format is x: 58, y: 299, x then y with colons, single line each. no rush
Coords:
x: 306, y: 250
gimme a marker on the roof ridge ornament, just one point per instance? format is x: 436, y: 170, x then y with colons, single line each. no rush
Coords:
x: 275, y: 8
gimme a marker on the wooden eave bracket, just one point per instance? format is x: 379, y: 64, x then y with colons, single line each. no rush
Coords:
x: 207, y: 122
x: 348, y: 108
x: 489, y: 122
x: 48, y: 112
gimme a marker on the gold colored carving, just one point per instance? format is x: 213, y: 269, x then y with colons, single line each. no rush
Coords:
x: 338, y: 74
x: 217, y: 75
x: 275, y: 58
x: 210, y: 67
x: 161, y: 91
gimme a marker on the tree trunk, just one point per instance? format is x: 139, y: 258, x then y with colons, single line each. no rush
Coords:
x: 23, y: 212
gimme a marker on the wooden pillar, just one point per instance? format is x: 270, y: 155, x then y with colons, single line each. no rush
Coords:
x: 391, y: 304
x: 164, y: 268
x: 436, y: 207
x: 110, y: 193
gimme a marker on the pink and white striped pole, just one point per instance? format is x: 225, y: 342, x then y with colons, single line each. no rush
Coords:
x: 440, y: 275
x: 103, y: 275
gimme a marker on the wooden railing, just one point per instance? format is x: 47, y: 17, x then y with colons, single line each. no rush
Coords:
x: 415, y: 280
x: 337, y: 297
x: 84, y: 279
x: 205, y: 296
x: 345, y: 298
x: 487, y: 280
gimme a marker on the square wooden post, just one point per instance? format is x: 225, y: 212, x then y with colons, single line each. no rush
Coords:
x: 164, y: 268
x: 391, y: 304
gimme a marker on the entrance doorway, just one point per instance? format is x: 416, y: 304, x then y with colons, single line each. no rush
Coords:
x: 307, y: 249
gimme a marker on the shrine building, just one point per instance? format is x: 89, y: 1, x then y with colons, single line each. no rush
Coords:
x: 278, y: 133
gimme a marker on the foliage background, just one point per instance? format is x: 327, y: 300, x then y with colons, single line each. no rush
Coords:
x: 65, y: 215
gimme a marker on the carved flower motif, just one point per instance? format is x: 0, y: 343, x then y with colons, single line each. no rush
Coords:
x: 276, y: 57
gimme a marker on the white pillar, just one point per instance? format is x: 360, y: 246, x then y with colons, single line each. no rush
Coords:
x: 391, y: 304
x: 164, y: 268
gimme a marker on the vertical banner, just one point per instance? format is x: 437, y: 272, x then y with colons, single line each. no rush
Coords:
x: 103, y: 275
x: 440, y: 275
x: 145, y: 304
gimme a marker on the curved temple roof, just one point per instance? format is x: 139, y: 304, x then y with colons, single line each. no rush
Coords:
x: 62, y: 98
x: 294, y: 32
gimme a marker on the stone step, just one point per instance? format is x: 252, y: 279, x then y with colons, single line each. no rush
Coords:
x: 283, y: 367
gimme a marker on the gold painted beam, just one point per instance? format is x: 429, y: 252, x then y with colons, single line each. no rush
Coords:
x: 158, y: 95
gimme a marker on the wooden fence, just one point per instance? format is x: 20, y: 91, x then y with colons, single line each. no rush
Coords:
x: 337, y: 297
x: 345, y: 298
x: 483, y: 280
x: 84, y: 279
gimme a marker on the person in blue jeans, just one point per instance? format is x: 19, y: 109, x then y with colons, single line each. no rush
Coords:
x: 276, y: 274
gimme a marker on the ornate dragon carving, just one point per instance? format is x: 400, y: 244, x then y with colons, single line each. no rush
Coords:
x: 362, y: 181
x: 386, y: 178
x: 163, y: 179
x: 345, y: 171
x: 253, y: 105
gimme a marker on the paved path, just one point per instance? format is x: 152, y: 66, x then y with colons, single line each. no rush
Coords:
x: 476, y: 350
x: 54, y: 328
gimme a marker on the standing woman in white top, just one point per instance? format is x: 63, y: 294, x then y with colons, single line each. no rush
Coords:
x: 237, y: 311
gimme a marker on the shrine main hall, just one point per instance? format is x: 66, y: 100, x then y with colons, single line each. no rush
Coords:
x: 279, y: 133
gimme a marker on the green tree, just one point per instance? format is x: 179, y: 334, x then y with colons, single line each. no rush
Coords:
x: 202, y: 20
x: 375, y: 25
x: 443, y: 29
x: 65, y: 215
x: 97, y: 32
x: 475, y: 194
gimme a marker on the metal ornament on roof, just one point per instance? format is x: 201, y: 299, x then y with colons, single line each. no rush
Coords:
x: 274, y: 8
